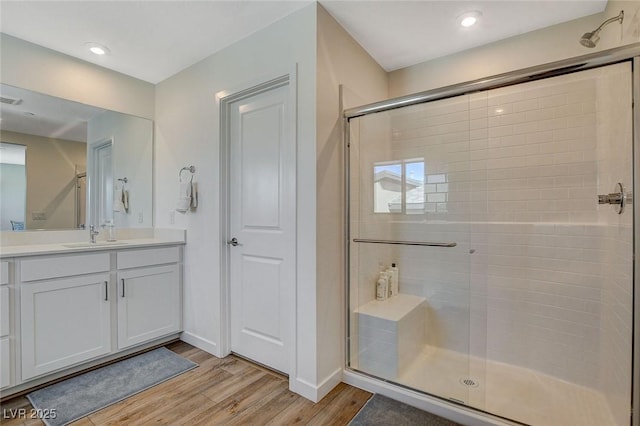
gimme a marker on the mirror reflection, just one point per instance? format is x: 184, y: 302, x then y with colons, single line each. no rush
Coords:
x: 66, y: 165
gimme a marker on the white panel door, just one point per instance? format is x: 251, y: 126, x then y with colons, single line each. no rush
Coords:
x: 101, y: 184
x: 262, y: 220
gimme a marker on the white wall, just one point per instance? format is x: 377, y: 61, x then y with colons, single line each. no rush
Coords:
x: 132, y: 158
x: 42, y: 70
x: 341, y: 60
x: 187, y: 133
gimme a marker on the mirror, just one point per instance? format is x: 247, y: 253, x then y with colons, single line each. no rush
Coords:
x: 66, y: 165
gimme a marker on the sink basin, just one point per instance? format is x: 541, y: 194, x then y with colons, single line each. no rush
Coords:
x: 98, y: 244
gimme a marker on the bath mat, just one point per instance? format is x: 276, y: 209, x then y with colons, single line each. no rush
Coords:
x: 380, y: 410
x: 89, y: 392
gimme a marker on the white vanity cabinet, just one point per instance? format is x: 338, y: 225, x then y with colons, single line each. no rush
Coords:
x: 149, y: 294
x: 5, y: 329
x: 65, y: 311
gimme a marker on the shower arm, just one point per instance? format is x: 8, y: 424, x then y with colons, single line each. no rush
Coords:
x: 620, y: 18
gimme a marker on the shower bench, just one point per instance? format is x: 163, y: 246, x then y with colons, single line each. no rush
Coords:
x: 390, y: 333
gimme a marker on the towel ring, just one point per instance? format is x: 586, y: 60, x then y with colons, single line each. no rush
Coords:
x: 191, y: 169
x: 124, y: 179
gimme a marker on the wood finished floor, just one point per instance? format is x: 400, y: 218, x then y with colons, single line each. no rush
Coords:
x: 227, y: 391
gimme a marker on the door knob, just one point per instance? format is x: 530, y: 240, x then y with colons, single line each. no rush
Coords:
x: 234, y: 242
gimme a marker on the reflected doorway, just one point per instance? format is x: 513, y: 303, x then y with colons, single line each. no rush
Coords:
x: 101, y: 183
x: 13, y: 187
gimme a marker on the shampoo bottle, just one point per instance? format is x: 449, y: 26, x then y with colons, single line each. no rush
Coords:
x: 382, y: 287
x: 388, y: 275
x: 393, y: 280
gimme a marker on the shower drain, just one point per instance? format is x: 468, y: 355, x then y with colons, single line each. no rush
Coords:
x: 469, y: 382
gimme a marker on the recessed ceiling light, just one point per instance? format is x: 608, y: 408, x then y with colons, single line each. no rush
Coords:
x: 97, y: 48
x: 469, y: 19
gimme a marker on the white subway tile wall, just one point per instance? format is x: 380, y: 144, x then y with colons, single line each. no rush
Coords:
x: 541, y: 276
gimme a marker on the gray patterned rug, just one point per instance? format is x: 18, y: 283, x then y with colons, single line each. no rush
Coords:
x: 89, y: 392
x: 380, y: 410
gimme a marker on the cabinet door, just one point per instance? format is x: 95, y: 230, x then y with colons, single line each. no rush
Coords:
x: 64, y: 322
x: 4, y: 311
x: 5, y: 363
x: 149, y: 304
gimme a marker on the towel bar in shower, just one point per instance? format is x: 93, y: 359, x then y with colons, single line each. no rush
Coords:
x: 404, y: 243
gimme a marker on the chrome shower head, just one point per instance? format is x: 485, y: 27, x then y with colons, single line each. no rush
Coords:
x: 590, y: 39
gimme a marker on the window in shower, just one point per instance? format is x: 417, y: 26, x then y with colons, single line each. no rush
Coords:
x: 436, y: 193
x: 387, y: 187
x: 399, y: 187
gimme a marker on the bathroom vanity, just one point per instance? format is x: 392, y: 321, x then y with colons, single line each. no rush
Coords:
x: 73, y: 305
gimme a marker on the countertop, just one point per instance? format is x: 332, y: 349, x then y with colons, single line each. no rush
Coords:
x: 33, y: 247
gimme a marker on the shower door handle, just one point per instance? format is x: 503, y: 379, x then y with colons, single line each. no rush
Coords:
x: 620, y: 198
x: 613, y: 198
x: 233, y: 242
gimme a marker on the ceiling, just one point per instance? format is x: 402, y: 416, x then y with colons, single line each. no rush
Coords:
x: 45, y: 116
x: 399, y: 34
x: 152, y: 40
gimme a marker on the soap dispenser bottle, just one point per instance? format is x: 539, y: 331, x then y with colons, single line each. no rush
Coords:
x: 111, y: 231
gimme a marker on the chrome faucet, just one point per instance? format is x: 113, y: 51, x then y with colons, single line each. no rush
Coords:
x: 93, y: 233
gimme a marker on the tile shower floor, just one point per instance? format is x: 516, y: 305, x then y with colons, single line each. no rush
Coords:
x: 513, y: 392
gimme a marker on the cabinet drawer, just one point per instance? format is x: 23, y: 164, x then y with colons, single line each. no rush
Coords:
x: 5, y: 363
x: 4, y: 273
x: 148, y: 257
x: 4, y: 311
x: 63, y: 266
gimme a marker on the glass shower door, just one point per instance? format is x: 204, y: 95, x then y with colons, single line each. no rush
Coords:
x: 555, y: 267
x: 410, y: 203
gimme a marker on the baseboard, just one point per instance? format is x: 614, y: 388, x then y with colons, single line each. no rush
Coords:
x: 456, y: 413
x: 316, y: 392
x: 200, y: 343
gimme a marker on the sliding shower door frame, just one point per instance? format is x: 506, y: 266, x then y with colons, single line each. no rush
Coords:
x: 635, y: 391
x: 434, y: 403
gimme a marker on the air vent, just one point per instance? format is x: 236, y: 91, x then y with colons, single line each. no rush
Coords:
x: 10, y: 101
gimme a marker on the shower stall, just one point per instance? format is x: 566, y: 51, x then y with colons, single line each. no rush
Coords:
x: 507, y: 206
